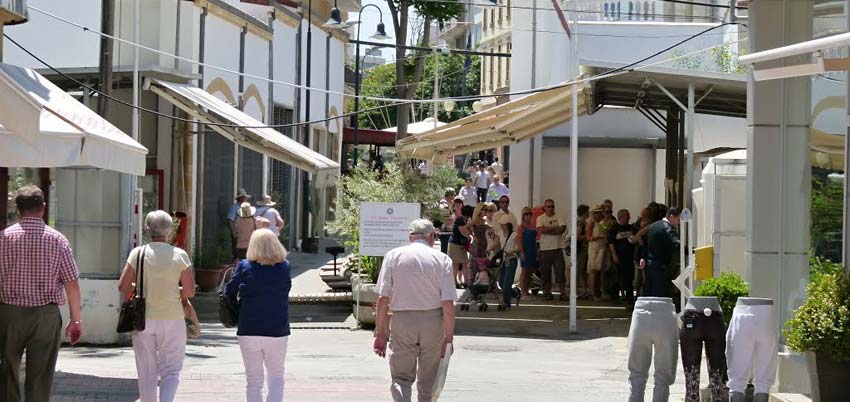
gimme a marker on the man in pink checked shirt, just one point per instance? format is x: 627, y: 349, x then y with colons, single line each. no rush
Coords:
x: 38, y: 272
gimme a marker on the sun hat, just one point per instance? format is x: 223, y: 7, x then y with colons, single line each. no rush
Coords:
x: 421, y: 227
x: 267, y: 201
x: 458, y: 198
x: 246, y: 210
x: 242, y: 193
x: 596, y: 208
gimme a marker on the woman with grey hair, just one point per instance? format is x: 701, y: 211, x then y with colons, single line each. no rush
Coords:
x: 161, y: 347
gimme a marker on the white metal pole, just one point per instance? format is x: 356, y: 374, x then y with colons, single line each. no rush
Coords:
x: 682, y: 266
x: 574, y: 179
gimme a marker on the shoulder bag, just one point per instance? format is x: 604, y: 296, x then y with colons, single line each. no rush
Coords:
x: 228, y: 313
x: 132, y: 315
x: 499, y: 257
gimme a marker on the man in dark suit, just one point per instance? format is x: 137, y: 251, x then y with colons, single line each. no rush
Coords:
x: 662, y: 244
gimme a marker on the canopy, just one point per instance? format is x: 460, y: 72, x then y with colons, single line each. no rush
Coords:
x: 505, y: 124
x: 244, y: 129
x: 419, y: 127
x: 42, y: 126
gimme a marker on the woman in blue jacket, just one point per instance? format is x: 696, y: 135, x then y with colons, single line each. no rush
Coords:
x: 261, y: 284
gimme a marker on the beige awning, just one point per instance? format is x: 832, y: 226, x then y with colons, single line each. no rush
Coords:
x: 501, y: 125
x: 251, y: 133
x: 42, y: 126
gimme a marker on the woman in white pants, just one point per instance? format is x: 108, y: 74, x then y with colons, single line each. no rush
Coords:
x: 260, y: 287
x: 161, y: 347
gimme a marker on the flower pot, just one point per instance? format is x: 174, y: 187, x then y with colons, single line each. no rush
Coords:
x: 208, y: 279
x: 310, y: 245
x: 829, y: 378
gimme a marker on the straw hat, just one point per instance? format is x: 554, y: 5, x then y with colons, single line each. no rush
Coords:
x: 596, y: 208
x: 266, y: 201
x: 246, y: 210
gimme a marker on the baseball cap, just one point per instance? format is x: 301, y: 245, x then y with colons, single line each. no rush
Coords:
x: 421, y: 227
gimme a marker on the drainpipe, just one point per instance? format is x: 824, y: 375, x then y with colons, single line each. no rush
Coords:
x: 107, y: 16
x: 294, y: 132
x: 305, y: 193
x: 199, y: 202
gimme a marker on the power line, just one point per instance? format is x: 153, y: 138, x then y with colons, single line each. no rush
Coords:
x: 696, y: 3
x: 298, y: 86
x: 168, y: 116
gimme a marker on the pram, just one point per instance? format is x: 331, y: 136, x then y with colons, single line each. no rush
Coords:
x: 477, y: 290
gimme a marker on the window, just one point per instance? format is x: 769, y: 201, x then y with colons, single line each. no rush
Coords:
x: 281, y: 174
x: 645, y: 10
x: 631, y: 9
x: 218, y: 189
x: 508, y: 9
x: 499, y: 16
x: 606, y: 10
x: 485, y: 24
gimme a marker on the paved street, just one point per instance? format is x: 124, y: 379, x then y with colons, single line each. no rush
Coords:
x: 522, y: 355
x: 499, y: 357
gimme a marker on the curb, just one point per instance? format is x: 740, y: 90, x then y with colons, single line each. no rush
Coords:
x: 321, y: 298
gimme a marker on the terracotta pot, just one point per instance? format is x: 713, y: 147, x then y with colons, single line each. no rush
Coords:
x: 208, y: 279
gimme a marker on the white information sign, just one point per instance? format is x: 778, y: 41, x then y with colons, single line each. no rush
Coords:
x: 383, y: 226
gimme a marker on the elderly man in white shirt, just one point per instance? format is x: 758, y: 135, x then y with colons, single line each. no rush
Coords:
x: 417, y: 284
x: 469, y: 193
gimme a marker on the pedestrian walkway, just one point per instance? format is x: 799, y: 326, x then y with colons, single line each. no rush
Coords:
x: 338, y: 365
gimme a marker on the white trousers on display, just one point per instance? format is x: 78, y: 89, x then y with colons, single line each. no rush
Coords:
x: 752, y: 345
x: 159, y: 351
x: 264, y: 358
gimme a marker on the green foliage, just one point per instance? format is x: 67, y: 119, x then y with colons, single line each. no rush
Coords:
x: 726, y: 61
x: 827, y: 213
x: 213, y: 254
x: 822, y: 266
x: 727, y: 288
x: 393, y: 185
x: 721, y: 60
x: 822, y: 323
x: 381, y: 82
x: 435, y: 10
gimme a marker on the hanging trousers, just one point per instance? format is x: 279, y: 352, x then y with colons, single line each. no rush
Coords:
x: 654, y: 328
x: 752, y: 345
x: 698, y: 329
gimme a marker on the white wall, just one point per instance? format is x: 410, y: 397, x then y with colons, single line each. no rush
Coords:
x: 621, y: 175
x: 222, y: 50
x: 256, y: 64
x: 284, y: 60
x: 57, y: 43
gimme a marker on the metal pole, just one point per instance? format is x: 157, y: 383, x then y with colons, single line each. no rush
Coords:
x: 135, y: 123
x: 574, y: 181
x: 306, y: 129
x: 436, y: 93
x: 689, y: 121
x: 531, y: 142
x: 356, y: 123
x: 845, y: 241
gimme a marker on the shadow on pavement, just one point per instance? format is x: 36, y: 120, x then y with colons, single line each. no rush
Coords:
x: 79, y: 387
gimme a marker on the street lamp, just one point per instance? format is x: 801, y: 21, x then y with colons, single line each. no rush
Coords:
x: 380, y: 34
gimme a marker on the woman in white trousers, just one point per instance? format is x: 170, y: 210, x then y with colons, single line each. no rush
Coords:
x: 161, y: 347
x: 260, y: 287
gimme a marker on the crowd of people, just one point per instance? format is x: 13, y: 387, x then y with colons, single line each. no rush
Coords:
x: 617, y: 258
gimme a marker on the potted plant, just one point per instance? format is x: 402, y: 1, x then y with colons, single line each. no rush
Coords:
x: 728, y: 287
x: 821, y: 328
x: 210, y: 262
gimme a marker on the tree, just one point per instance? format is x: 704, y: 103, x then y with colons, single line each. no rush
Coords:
x: 381, y: 82
x: 408, y: 75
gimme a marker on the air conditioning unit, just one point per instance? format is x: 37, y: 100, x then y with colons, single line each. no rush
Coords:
x: 13, y: 12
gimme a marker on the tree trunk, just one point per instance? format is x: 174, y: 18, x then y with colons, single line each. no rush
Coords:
x: 406, y: 89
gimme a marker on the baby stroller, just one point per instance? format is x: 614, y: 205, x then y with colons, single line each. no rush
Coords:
x: 535, y: 282
x: 483, y: 284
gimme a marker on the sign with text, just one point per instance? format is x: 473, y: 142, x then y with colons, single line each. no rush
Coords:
x: 383, y: 226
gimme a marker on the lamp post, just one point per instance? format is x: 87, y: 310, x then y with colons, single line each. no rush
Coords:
x: 380, y: 34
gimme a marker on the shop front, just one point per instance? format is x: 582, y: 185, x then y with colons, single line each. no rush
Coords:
x: 80, y: 160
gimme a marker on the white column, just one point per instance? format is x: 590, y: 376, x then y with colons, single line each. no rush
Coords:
x: 779, y: 172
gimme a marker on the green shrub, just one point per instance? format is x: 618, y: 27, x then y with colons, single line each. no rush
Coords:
x: 819, y: 266
x: 395, y: 184
x: 822, y: 323
x: 727, y: 288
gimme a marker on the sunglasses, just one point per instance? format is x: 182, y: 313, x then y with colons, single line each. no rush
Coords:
x: 504, y: 202
x: 527, y: 214
x: 608, y: 212
x: 549, y: 207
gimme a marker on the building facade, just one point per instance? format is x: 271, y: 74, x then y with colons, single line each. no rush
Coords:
x: 250, y: 56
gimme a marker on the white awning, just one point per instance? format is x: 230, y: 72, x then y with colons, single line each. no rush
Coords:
x: 251, y: 133
x: 42, y: 126
x: 498, y: 126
